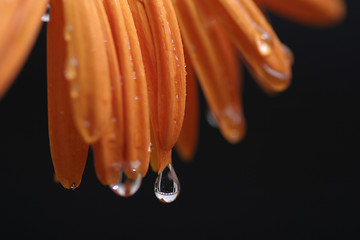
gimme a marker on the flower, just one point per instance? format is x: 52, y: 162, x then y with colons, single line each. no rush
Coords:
x: 118, y: 82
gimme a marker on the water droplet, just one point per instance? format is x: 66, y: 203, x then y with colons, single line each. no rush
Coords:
x: 46, y: 16
x: 70, y: 70
x: 167, y: 186
x: 68, y: 32
x: 274, y: 73
x: 136, y: 97
x: 263, y: 41
x: 72, y: 187
x: 126, y: 186
x: 86, y: 124
x: 74, y: 91
x: 150, y: 147
x: 211, y: 119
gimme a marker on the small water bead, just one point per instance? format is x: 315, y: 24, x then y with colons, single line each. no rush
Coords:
x: 263, y: 41
x: 279, y: 75
x: 86, y: 124
x: 74, y: 91
x: 167, y: 185
x: 126, y: 186
x: 46, y: 17
x: 71, y: 68
x: 68, y: 29
x: 211, y: 119
x: 150, y: 147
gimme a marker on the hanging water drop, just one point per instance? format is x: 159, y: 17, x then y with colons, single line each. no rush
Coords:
x: 167, y: 185
x: 46, y: 16
x: 126, y: 186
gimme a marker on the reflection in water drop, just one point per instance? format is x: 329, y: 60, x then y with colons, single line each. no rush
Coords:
x: 167, y: 186
x: 126, y: 186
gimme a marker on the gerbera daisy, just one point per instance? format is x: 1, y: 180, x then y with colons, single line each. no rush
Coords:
x: 117, y: 79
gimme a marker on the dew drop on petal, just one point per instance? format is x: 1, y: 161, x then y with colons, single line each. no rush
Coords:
x: 167, y: 186
x: 74, y: 91
x: 68, y: 29
x: 150, y: 147
x: 274, y: 73
x: 263, y: 41
x: 46, y: 17
x: 126, y: 186
x: 211, y: 119
x: 71, y: 68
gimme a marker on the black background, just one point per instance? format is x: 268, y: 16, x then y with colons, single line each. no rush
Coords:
x: 295, y: 175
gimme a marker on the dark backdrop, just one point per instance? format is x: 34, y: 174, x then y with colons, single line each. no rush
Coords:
x: 295, y: 175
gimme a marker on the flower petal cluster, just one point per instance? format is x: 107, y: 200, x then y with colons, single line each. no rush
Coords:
x: 121, y: 74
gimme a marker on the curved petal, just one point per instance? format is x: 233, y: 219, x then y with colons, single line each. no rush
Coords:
x: 20, y: 22
x: 318, y: 13
x: 216, y: 65
x: 109, y: 150
x: 188, y: 139
x: 161, y: 44
x: 135, y: 97
x: 68, y: 150
x: 256, y: 40
x: 87, y: 69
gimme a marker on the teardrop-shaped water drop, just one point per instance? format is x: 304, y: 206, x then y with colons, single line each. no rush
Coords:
x: 167, y: 185
x: 126, y: 186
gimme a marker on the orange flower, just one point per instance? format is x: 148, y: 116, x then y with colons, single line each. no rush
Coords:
x: 117, y: 79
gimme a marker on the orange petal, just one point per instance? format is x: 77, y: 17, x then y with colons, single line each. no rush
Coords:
x: 87, y: 68
x: 109, y: 151
x: 188, y: 139
x: 311, y: 12
x: 135, y: 98
x: 148, y: 52
x: 215, y: 62
x: 19, y: 25
x: 68, y: 150
x: 167, y: 89
x: 256, y: 40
